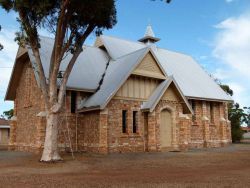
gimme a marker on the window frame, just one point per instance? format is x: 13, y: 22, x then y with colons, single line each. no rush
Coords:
x: 135, y: 122
x: 211, y: 110
x: 124, y: 121
x: 193, y: 104
x: 73, y: 96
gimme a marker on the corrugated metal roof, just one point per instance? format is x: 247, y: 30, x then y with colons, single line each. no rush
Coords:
x: 117, y: 73
x: 150, y: 104
x: 158, y: 93
x: 87, y: 71
x: 118, y: 47
x: 192, y: 79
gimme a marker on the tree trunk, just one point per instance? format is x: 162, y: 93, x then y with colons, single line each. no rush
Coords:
x: 50, y: 151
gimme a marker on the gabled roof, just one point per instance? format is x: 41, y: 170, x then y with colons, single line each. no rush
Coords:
x: 119, y: 47
x: 150, y: 73
x: 158, y: 93
x: 122, y: 56
x: 21, y: 58
x: 191, y: 78
x: 85, y: 75
x: 92, y: 61
x: 116, y: 74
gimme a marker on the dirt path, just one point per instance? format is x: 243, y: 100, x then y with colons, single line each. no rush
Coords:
x: 225, y: 167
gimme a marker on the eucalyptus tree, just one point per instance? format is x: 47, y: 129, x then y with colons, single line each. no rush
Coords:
x: 71, y: 21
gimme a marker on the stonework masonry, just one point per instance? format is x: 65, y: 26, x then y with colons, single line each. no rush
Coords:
x: 100, y: 131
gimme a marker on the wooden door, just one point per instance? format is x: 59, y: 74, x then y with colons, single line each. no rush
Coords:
x: 166, y: 129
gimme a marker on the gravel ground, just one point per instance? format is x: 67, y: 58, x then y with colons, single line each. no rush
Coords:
x: 218, y: 167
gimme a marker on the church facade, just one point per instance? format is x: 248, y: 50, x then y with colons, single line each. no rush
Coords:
x: 122, y: 96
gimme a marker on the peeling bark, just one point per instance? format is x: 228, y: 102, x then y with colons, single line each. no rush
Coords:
x: 50, y: 151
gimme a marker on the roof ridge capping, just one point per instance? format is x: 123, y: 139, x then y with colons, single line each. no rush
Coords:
x: 136, y: 51
x: 123, y: 39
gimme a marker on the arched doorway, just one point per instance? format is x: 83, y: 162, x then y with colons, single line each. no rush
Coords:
x: 166, y: 129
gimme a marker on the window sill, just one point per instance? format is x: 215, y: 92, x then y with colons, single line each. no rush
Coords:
x: 126, y: 135
x: 135, y: 134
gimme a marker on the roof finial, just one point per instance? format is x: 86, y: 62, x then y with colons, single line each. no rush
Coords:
x: 149, y: 31
x: 149, y: 35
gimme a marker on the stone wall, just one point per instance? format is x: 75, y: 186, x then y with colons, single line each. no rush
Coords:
x: 207, y: 131
x: 101, y: 130
x: 178, y: 128
x: 27, y: 130
x: 24, y: 131
x: 129, y: 141
x: 88, y: 132
x: 147, y: 137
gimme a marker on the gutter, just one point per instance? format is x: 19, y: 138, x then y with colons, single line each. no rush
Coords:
x: 209, y: 99
x: 88, y: 109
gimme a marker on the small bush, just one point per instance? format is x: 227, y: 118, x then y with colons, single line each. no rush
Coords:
x: 237, y: 134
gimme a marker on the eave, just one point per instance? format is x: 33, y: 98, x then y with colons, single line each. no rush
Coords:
x: 208, y: 99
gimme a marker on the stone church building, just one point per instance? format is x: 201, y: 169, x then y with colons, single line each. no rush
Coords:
x: 122, y: 96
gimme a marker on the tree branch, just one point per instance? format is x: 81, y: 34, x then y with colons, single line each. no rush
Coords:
x: 56, y: 52
x: 67, y: 72
x: 42, y: 77
x: 33, y: 41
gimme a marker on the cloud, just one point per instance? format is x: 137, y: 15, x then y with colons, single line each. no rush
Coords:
x: 229, y: 1
x: 7, y: 57
x: 233, y: 43
x: 232, y: 49
x: 240, y: 93
x: 221, y: 74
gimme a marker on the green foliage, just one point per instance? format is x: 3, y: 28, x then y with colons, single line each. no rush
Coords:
x: 78, y: 16
x: 247, y: 116
x: 236, y: 116
x: 227, y: 89
x: 8, y: 114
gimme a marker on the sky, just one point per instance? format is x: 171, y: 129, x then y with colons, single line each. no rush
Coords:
x: 214, y: 32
